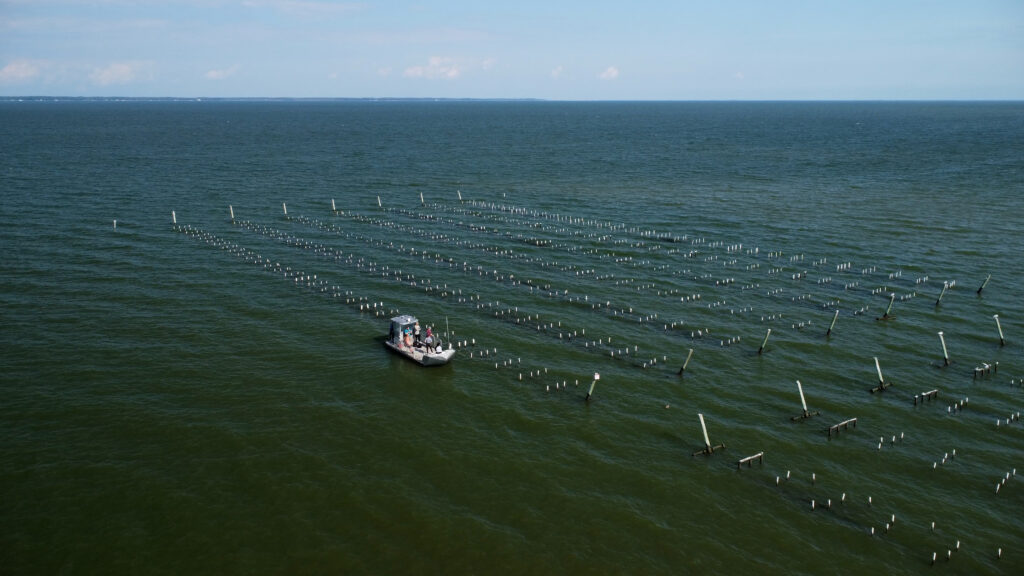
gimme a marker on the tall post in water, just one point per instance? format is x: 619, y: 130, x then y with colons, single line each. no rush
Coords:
x: 1002, y: 342
x: 945, y: 354
x: 333, y: 209
x: 592, y: 384
x: 379, y: 205
x: 803, y: 403
x: 765, y: 341
x: 945, y: 286
x: 285, y: 208
x: 708, y: 448
x: 704, y: 429
x: 174, y: 219
x: 881, y: 381
x: 985, y: 283
x: 685, y: 364
x: 459, y: 192
x: 892, y: 298
x: 832, y: 325
x: 231, y: 210
x: 422, y: 203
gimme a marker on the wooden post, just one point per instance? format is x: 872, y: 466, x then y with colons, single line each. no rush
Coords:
x: 881, y: 381
x: 285, y: 208
x: 704, y: 429
x: 1002, y: 342
x: 765, y: 341
x: 945, y: 286
x: 333, y: 209
x: 830, y: 326
x: 592, y: 384
x: 945, y: 354
x: 174, y: 219
x: 231, y: 210
x: 803, y: 403
x: 708, y: 448
x: 892, y: 299
x: 985, y: 283
x: 683, y: 369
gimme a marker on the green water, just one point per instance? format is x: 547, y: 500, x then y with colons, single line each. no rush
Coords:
x: 186, y: 398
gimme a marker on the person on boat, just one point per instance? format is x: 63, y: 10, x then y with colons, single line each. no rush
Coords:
x: 416, y: 333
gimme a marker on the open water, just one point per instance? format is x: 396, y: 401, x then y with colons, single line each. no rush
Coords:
x: 213, y: 397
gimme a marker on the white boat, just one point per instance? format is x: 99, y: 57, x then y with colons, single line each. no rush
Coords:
x: 401, y: 339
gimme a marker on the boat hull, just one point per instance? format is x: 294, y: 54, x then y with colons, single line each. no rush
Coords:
x: 422, y: 356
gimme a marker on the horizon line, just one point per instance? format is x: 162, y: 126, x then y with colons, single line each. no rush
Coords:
x: 485, y: 99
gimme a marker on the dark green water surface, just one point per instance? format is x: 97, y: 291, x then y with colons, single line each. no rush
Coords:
x: 213, y: 397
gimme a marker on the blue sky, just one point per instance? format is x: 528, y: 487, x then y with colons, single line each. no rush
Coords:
x: 566, y: 50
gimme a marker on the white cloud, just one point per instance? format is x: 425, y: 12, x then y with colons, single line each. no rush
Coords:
x: 121, y: 73
x: 19, y: 71
x: 386, y: 71
x: 557, y: 71
x: 437, y: 67
x: 610, y: 73
x: 488, y: 63
x: 220, y: 74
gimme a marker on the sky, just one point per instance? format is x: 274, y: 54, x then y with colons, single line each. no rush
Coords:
x: 554, y: 49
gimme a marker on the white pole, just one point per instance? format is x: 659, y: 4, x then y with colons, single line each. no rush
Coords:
x: 945, y: 354
x: 985, y: 283
x: 881, y: 380
x: 999, y: 326
x: 687, y: 363
x: 174, y: 219
x: 231, y: 209
x: 830, y: 326
x: 802, y: 401
x: 592, y: 384
x: 285, y: 208
x: 378, y: 202
x: 333, y: 209
x: 945, y: 286
x: 704, y: 429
